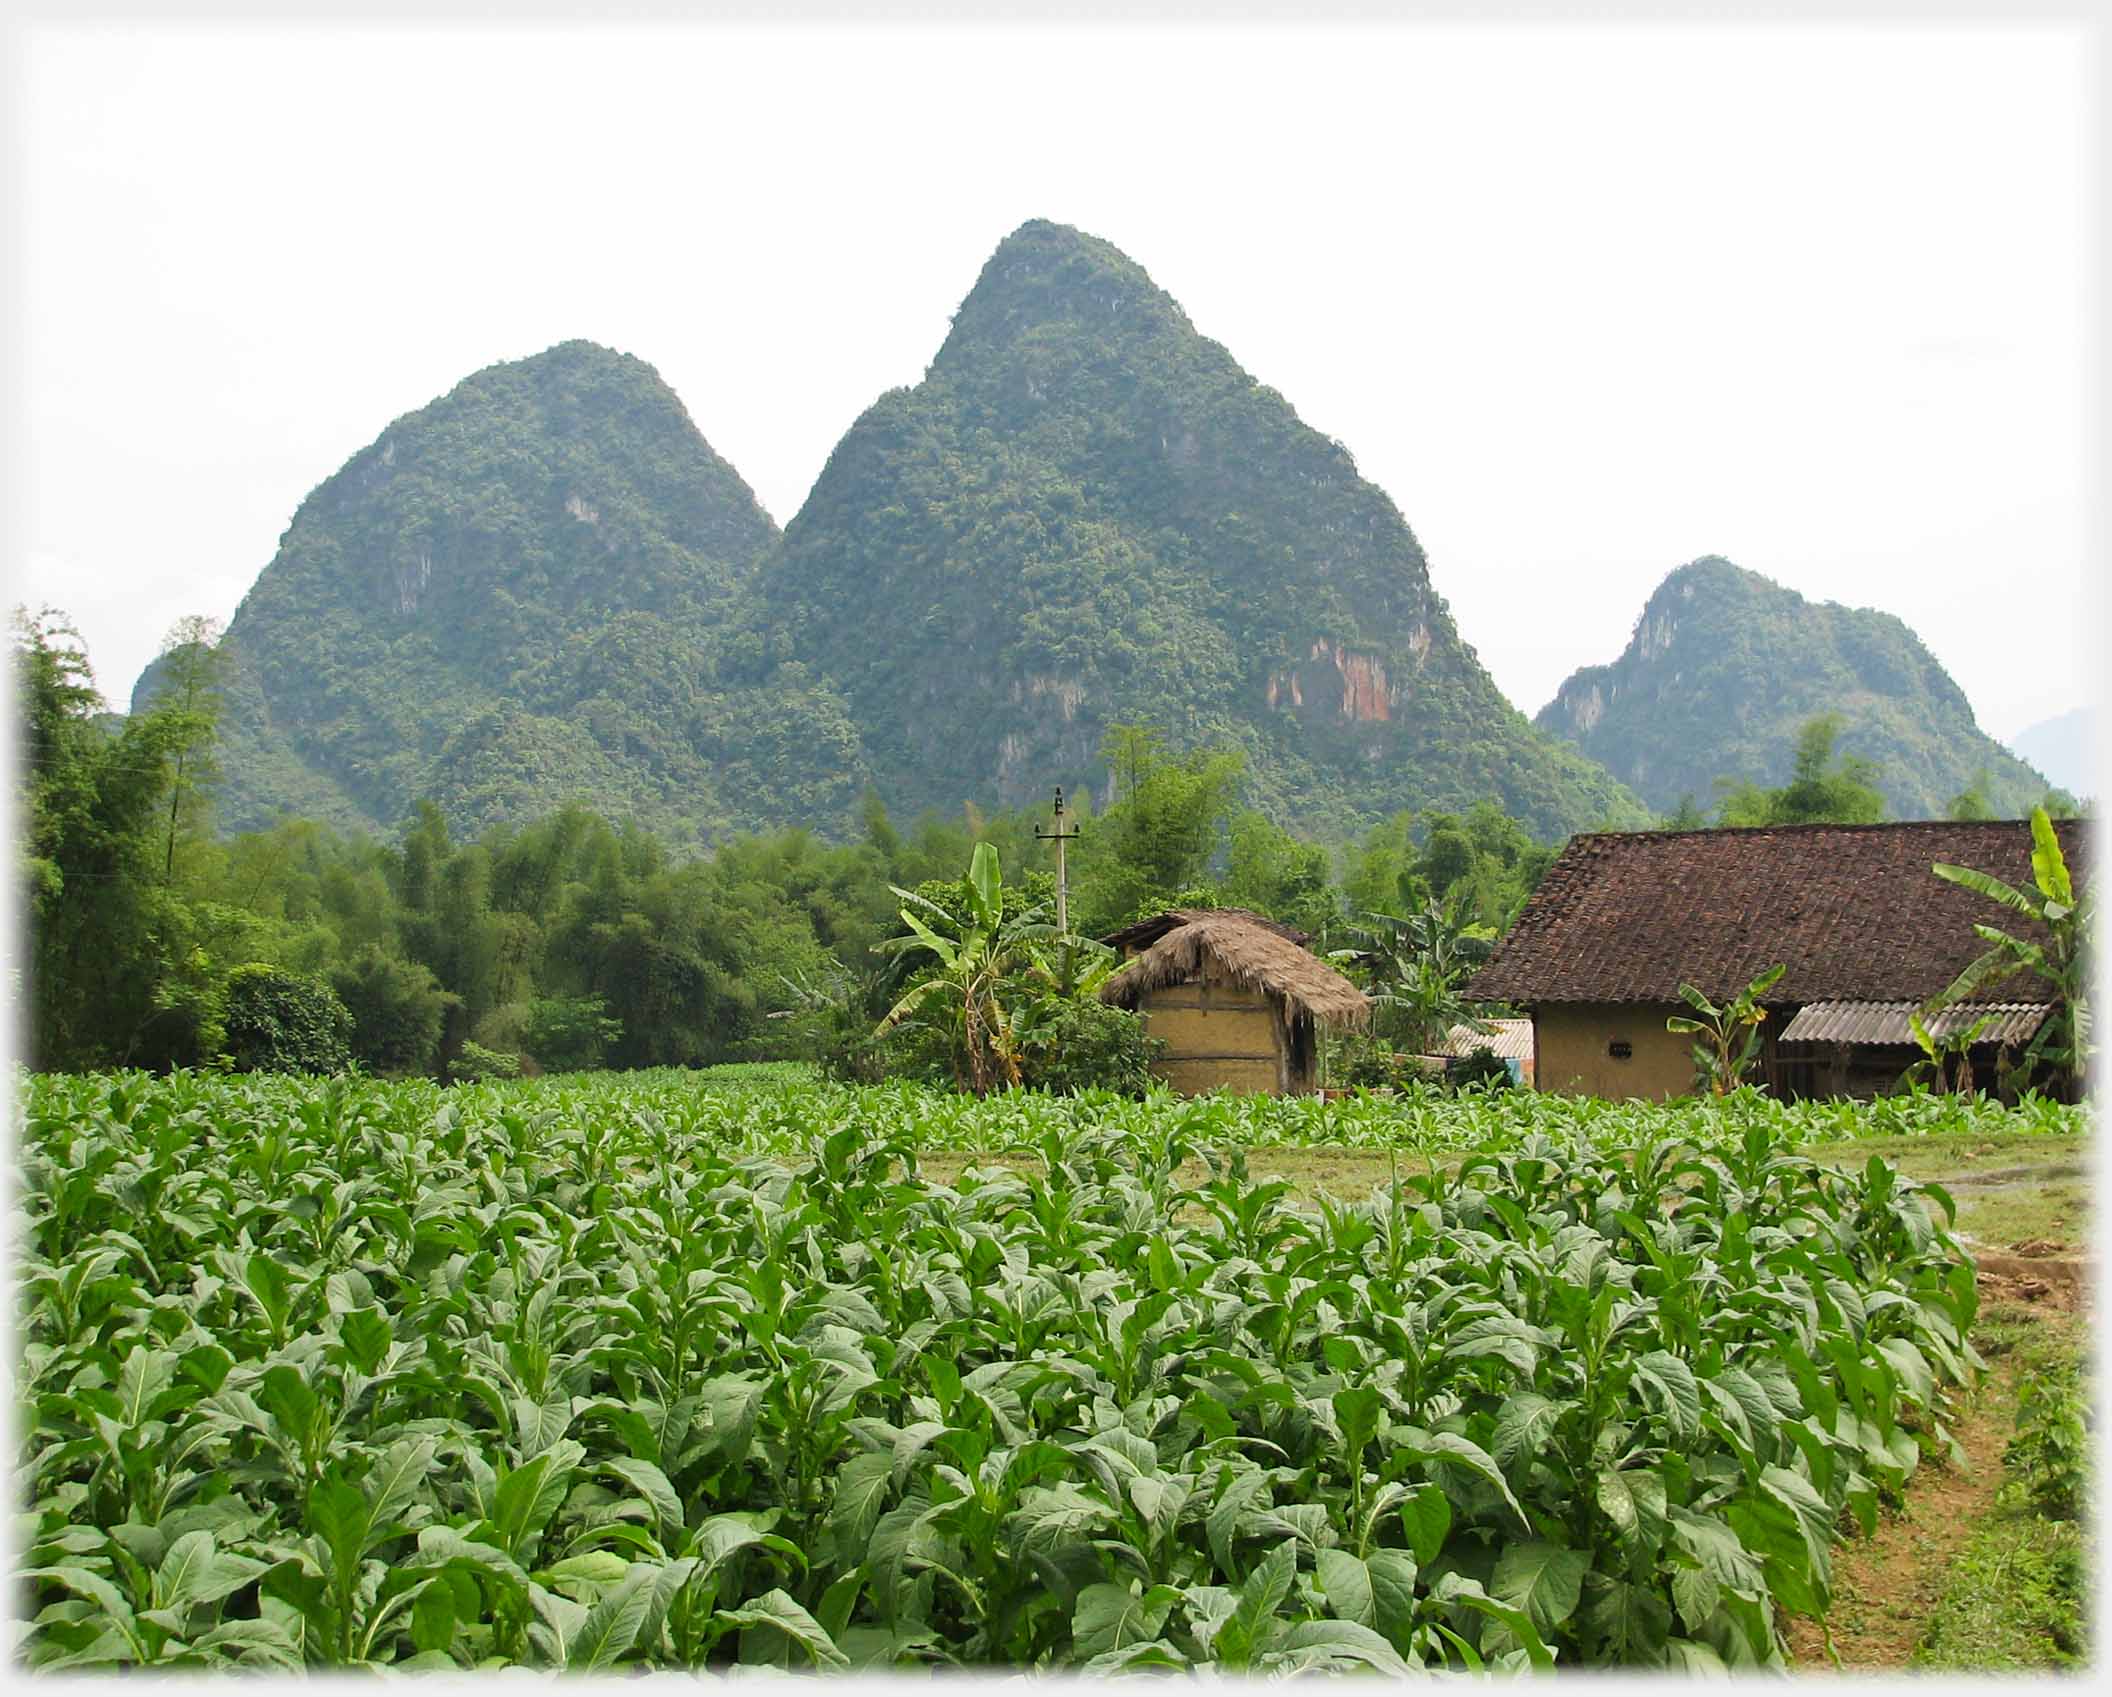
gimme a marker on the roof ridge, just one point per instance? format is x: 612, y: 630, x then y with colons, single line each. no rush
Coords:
x: 1815, y: 825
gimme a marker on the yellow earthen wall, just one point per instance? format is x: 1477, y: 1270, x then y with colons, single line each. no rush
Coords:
x: 1197, y: 1077
x: 1570, y: 1043
x: 1226, y: 1040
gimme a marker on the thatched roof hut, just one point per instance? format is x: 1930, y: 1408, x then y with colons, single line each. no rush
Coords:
x: 1235, y: 998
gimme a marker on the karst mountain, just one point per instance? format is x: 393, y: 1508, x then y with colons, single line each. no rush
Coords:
x: 546, y: 587
x: 1088, y: 513
x: 1725, y: 664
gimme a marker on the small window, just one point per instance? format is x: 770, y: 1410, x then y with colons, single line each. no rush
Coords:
x: 1620, y: 1049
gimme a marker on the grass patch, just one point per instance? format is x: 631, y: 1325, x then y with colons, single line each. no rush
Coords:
x: 2016, y: 1598
x: 1948, y: 1154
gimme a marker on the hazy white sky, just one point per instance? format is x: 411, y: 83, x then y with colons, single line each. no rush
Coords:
x: 1586, y: 301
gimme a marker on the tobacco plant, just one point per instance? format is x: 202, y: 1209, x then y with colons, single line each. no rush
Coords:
x: 626, y: 1373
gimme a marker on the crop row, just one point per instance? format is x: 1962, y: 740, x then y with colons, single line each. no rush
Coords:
x: 333, y: 1373
x: 784, y: 1108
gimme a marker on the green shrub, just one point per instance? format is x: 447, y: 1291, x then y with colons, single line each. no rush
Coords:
x: 1078, y: 1043
x: 279, y: 1021
x: 2050, y: 1455
x: 476, y: 1062
x: 1361, y: 1060
x: 398, y: 1011
x: 1483, y: 1067
x: 569, y: 1033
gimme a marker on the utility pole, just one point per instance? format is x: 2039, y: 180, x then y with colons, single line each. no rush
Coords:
x: 1059, y: 836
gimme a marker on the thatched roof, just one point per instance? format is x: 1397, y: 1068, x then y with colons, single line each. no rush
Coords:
x: 1247, y: 950
x: 1146, y: 932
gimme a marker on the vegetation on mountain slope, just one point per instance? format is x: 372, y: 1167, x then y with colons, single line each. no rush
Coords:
x: 1088, y: 513
x: 511, y: 599
x: 1725, y: 666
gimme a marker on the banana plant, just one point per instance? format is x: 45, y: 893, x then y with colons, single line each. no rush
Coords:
x: 974, y: 955
x: 2057, y: 953
x: 1729, y: 1035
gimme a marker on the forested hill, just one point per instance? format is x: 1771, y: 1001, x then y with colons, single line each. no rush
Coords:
x: 513, y: 598
x: 1724, y: 666
x: 1088, y: 513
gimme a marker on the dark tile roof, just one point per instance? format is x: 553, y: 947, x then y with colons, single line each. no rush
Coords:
x: 1852, y: 911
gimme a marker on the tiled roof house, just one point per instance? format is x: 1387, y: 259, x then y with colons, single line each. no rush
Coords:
x: 1862, y: 926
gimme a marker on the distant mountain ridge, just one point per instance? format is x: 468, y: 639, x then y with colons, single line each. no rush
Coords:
x: 1087, y: 513
x: 547, y: 587
x: 511, y: 598
x: 2068, y: 748
x: 1725, y: 664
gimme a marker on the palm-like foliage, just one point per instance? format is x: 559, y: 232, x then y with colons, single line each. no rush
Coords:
x: 1729, y: 1035
x: 1414, y: 967
x: 1945, y: 1061
x: 2059, y: 955
x: 973, y: 953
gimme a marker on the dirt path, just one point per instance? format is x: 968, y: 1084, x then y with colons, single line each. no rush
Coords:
x: 1885, y: 1587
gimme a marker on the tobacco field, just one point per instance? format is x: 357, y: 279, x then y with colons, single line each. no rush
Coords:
x: 630, y: 1371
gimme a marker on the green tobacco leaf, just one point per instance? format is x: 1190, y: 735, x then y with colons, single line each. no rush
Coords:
x: 1049, y: 1515
x: 433, y: 1619
x: 145, y: 1375
x: 612, y: 1624
x: 1456, y: 1588
x: 1242, y: 1493
x: 1676, y: 1395
x: 776, y: 1614
x: 861, y: 1493
x: 196, y: 1571
x: 366, y: 1334
x: 337, y: 1514
x: 721, y: 1535
x: 252, y: 1643
x: 1154, y: 1654
x: 265, y: 1280
x: 1523, y: 1425
x: 1324, y: 1643
x: 599, y: 1568
x: 1346, y: 1581
x: 726, y: 1407
x: 1543, y: 1579
x: 288, y: 1398
x: 1633, y: 1621
x: 1113, y: 1617
x: 651, y: 1484
x: 1264, y: 1592
x: 1158, y: 1501
x: 1448, y: 1449
x: 1427, y: 1517
x: 1392, y: 1574
x: 396, y: 1479
x: 1357, y: 1413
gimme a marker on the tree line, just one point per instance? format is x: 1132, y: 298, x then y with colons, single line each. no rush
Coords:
x: 577, y: 942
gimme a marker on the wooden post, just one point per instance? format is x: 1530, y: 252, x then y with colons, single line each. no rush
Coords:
x: 1059, y: 836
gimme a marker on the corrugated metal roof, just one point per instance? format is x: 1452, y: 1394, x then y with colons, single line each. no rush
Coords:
x: 1507, y: 1039
x: 1886, y: 1022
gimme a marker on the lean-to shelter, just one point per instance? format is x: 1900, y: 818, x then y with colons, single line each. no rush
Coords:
x: 1237, y: 999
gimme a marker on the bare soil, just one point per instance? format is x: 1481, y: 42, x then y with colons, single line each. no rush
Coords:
x: 1887, y: 1586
